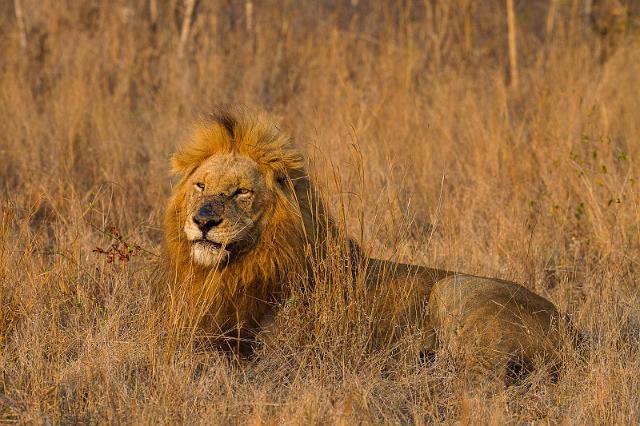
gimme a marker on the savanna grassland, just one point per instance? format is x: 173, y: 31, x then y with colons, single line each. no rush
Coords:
x: 426, y: 145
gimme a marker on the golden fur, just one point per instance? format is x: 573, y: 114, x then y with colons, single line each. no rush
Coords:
x: 233, y: 300
x: 498, y: 322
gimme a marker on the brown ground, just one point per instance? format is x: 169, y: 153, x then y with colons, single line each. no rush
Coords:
x: 423, y: 148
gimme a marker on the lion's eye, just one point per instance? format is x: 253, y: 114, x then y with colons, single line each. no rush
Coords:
x: 243, y: 191
x: 200, y: 186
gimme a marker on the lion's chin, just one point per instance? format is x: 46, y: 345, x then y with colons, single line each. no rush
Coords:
x: 206, y: 253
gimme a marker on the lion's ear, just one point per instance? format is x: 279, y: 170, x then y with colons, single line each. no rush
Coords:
x: 288, y: 180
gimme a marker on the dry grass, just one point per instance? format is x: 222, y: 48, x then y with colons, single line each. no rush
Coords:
x: 425, y: 153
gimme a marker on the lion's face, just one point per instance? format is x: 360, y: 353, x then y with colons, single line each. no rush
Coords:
x: 227, y: 201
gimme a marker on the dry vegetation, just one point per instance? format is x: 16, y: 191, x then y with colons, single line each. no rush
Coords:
x: 426, y: 152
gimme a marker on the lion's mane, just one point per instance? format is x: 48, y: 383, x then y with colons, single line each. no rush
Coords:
x: 247, y: 288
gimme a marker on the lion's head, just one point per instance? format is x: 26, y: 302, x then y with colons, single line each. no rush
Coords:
x: 240, y: 179
x: 239, y: 219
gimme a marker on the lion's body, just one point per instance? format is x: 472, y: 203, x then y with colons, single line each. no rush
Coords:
x: 286, y: 228
x: 491, y: 325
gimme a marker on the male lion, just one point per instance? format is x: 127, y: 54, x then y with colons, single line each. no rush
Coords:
x: 244, y: 223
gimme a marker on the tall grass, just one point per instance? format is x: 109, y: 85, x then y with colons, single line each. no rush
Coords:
x: 421, y: 147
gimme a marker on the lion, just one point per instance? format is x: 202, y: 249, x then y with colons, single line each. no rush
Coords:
x: 244, y: 223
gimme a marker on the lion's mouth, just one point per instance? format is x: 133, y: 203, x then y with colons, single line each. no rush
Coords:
x: 208, y: 243
x: 230, y: 247
x: 208, y: 253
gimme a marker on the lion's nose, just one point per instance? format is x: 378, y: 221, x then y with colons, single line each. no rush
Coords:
x: 207, y: 218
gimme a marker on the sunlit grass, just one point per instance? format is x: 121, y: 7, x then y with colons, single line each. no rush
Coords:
x: 422, y: 149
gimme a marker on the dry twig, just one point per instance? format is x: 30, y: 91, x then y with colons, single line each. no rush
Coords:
x: 186, y: 25
x: 20, y: 21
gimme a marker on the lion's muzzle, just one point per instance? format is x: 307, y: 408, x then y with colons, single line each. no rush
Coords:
x: 209, y: 215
